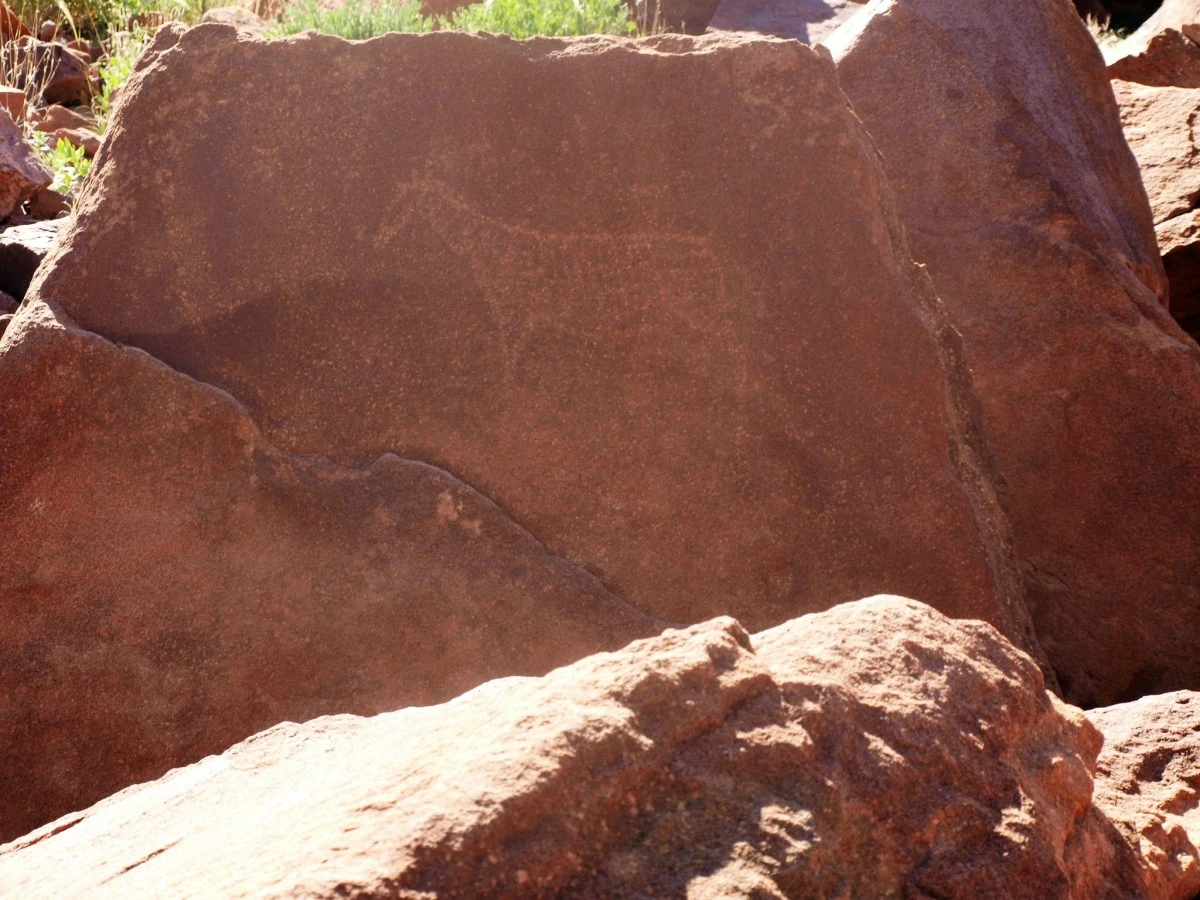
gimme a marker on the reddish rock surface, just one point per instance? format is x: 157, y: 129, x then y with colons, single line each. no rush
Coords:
x: 13, y: 100
x: 877, y: 750
x: 1148, y: 785
x: 805, y: 20
x: 172, y: 583
x: 21, y: 172
x: 721, y: 387
x: 60, y: 74
x: 1159, y: 124
x: 11, y: 25
x: 1023, y: 198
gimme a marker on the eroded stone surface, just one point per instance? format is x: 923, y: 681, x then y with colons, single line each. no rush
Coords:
x: 172, y: 583
x: 1159, y: 123
x: 876, y: 750
x: 1148, y: 785
x: 1023, y: 198
x: 724, y: 388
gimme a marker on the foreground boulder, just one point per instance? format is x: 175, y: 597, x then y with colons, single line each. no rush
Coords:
x: 1148, y: 785
x: 22, y: 174
x: 877, y: 750
x: 1023, y: 198
x: 703, y: 367
x: 172, y: 583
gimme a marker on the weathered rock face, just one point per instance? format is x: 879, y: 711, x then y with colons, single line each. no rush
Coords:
x: 21, y: 172
x: 877, y: 750
x: 806, y: 20
x: 1157, y: 121
x: 1158, y: 124
x: 1148, y: 785
x: 1023, y: 199
x: 172, y: 583
x: 721, y: 387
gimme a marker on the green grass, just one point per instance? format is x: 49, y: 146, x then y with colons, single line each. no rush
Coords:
x: 362, y: 19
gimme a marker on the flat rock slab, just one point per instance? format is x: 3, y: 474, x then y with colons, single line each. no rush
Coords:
x: 1021, y: 195
x: 649, y: 297
x: 876, y: 750
x: 172, y: 583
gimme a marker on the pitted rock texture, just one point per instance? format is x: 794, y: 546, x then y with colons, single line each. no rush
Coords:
x: 876, y: 750
x: 172, y: 583
x: 723, y: 387
x: 1022, y: 197
x: 22, y: 174
x: 1148, y: 785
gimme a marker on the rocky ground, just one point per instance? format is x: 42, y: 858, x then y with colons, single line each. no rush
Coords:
x: 455, y: 423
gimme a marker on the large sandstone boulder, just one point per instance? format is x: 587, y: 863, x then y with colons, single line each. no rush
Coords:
x: 649, y: 297
x: 173, y: 583
x: 877, y: 750
x: 1023, y: 198
x: 1158, y: 124
x: 22, y: 174
x: 1148, y: 785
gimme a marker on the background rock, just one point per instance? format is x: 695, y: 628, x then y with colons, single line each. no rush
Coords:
x: 22, y: 249
x: 1148, y: 784
x: 173, y: 583
x: 1024, y: 200
x: 872, y: 751
x: 805, y: 20
x: 1158, y: 124
x: 1171, y: 58
x: 21, y: 172
x: 237, y: 16
x: 721, y: 386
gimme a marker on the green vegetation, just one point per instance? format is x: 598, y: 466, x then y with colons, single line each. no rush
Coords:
x: 115, y: 69
x: 125, y: 26
x: 65, y: 160
x: 361, y: 19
